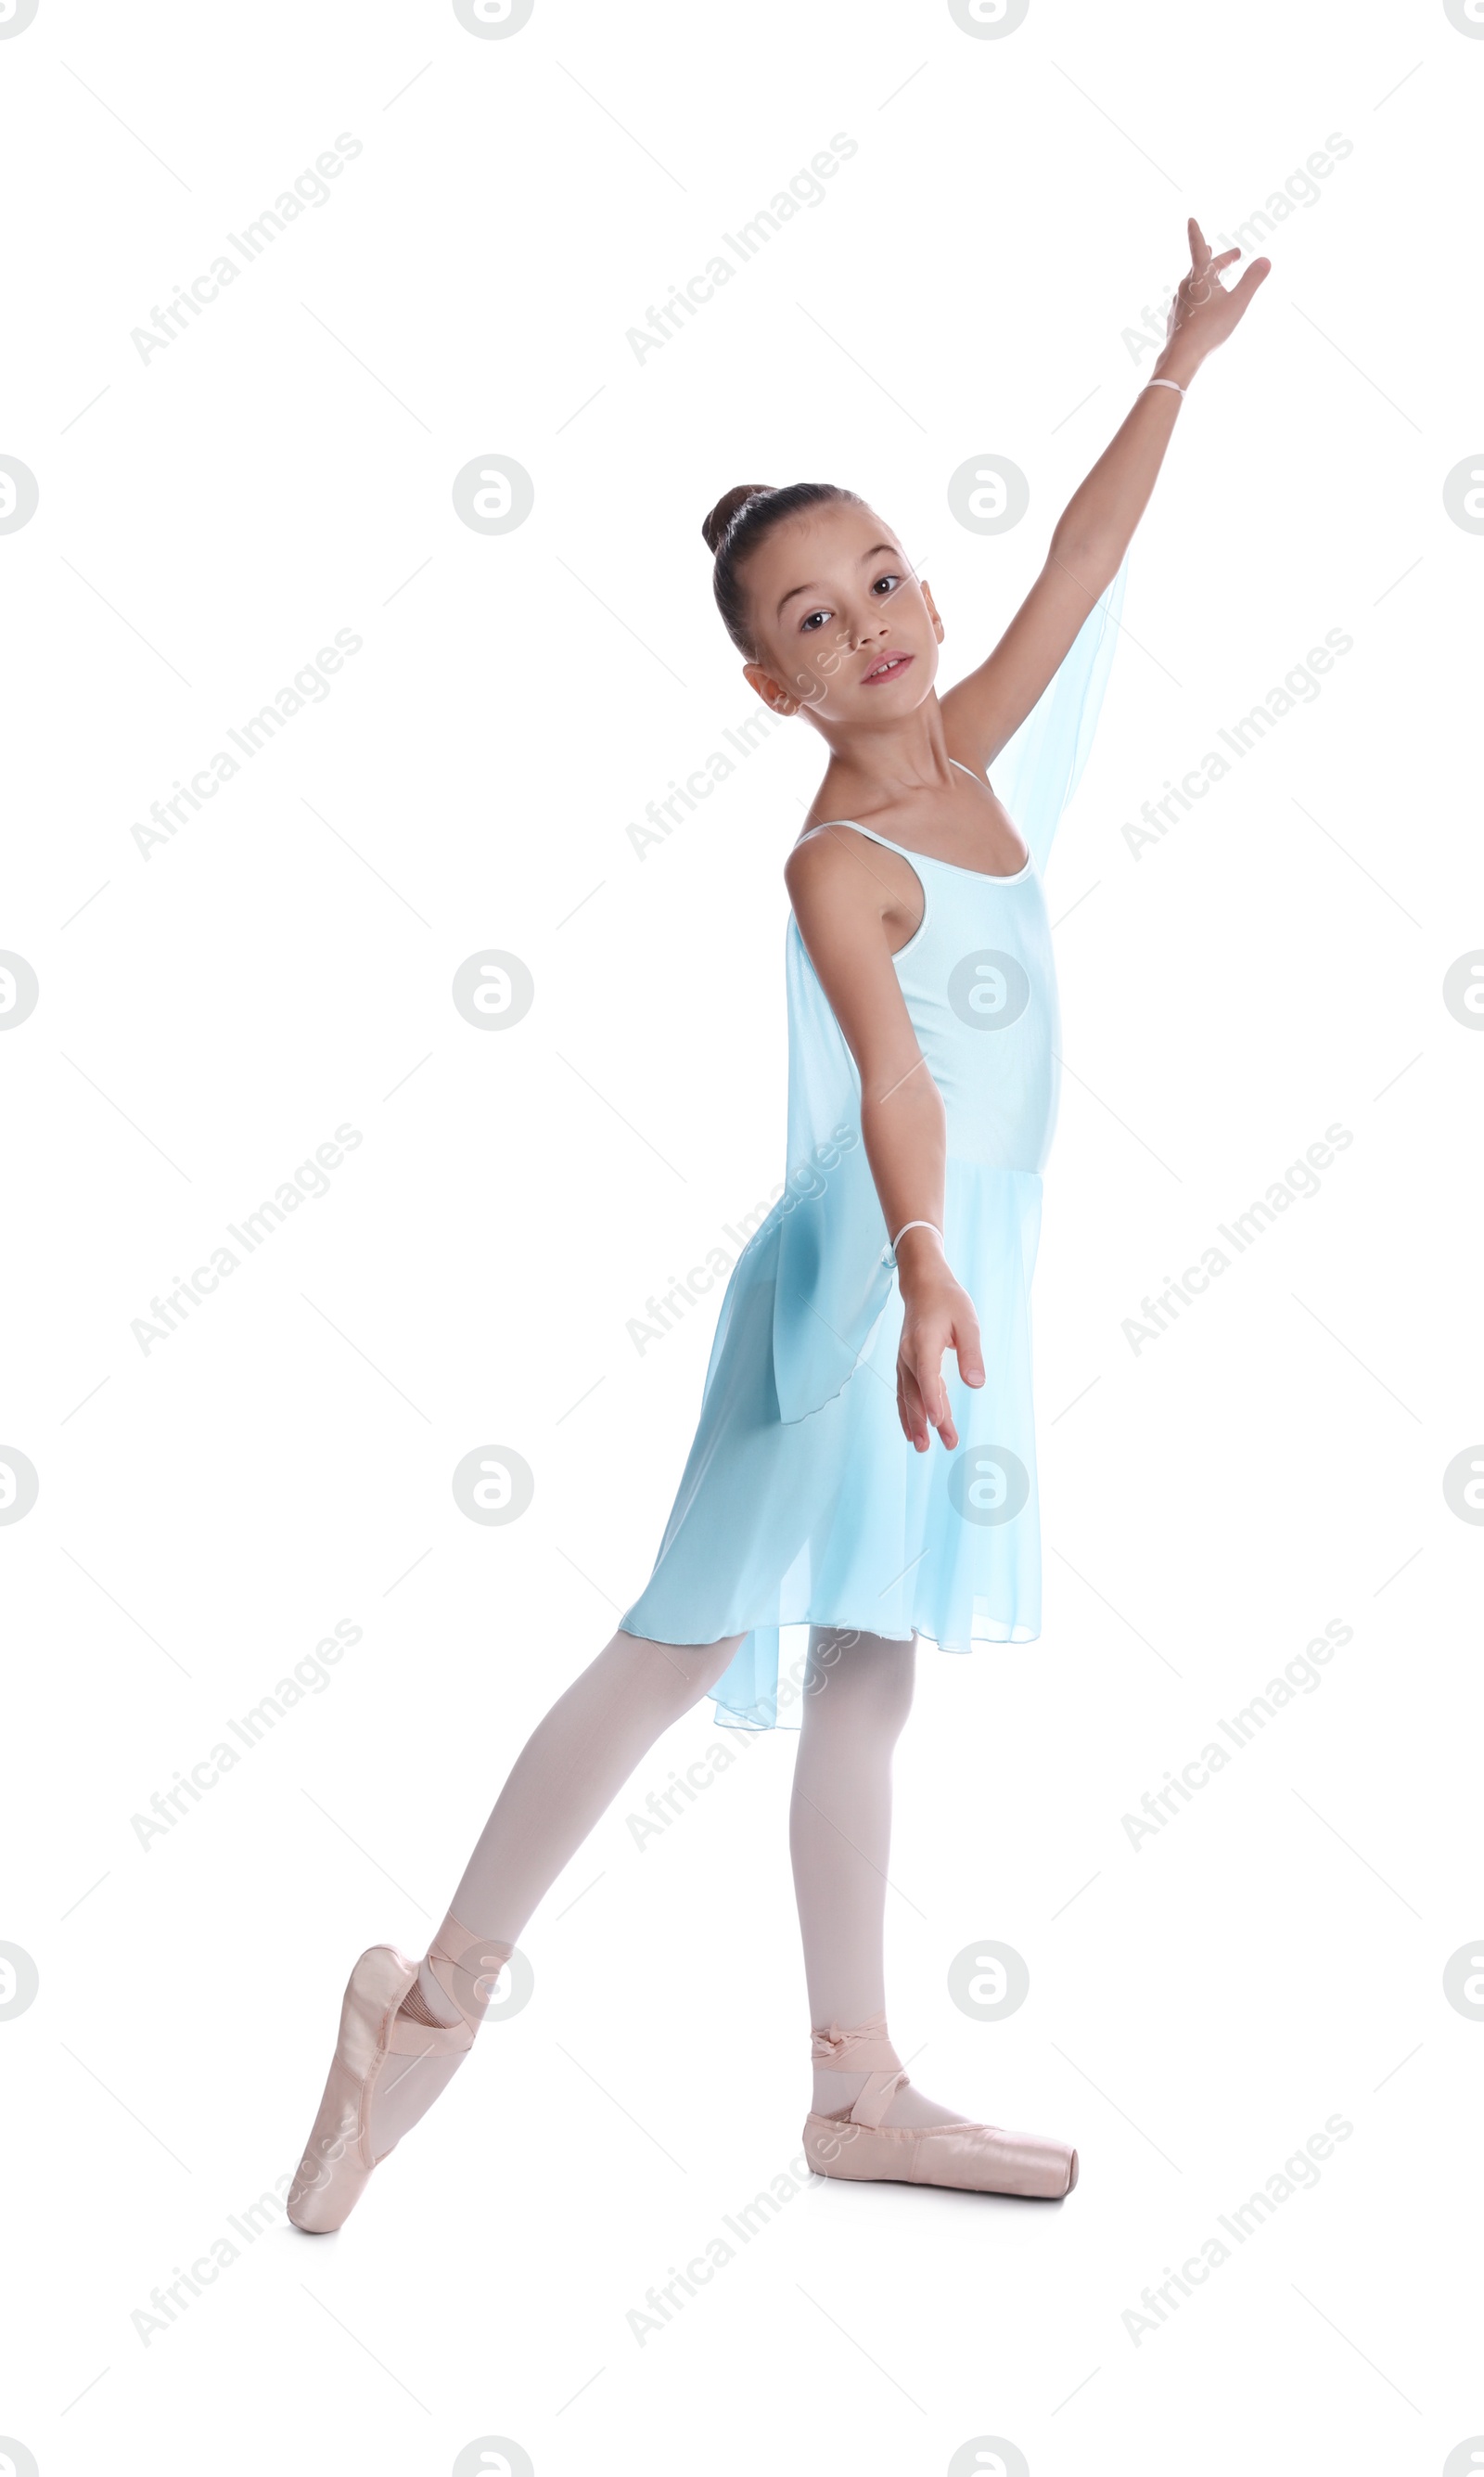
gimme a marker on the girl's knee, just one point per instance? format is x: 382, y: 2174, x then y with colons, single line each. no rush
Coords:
x: 862, y: 1671
x: 683, y: 1671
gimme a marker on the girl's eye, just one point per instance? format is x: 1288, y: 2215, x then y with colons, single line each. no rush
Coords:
x: 890, y: 582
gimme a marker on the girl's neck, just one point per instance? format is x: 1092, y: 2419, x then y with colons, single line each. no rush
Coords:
x: 877, y: 768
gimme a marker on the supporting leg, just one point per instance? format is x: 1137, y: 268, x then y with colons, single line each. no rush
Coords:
x: 858, y: 1693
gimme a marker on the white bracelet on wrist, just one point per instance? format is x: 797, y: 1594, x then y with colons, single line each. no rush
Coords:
x: 915, y: 1225
x: 1168, y: 383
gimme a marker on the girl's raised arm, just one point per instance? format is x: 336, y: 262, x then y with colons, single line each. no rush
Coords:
x: 1096, y: 525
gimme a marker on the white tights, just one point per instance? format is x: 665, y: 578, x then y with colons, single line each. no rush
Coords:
x: 858, y: 1694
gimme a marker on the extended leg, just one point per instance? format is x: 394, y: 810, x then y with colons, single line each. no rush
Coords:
x: 571, y: 1768
x: 567, y: 1774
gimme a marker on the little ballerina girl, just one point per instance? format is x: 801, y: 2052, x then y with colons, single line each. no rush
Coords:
x: 923, y: 1086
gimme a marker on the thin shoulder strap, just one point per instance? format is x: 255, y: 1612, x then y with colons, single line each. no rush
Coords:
x: 869, y: 831
x: 965, y: 769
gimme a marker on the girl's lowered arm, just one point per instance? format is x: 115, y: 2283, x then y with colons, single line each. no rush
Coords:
x: 839, y: 902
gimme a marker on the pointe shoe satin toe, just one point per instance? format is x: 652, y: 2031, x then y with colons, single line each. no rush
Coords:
x: 337, y: 2159
x: 969, y: 2158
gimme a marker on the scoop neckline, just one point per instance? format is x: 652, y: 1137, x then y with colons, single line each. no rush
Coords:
x: 985, y: 876
x: 990, y: 877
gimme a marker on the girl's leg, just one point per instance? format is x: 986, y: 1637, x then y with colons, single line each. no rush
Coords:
x: 568, y: 1772
x: 858, y: 1693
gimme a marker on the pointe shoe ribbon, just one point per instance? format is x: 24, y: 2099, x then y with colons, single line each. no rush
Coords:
x: 864, y: 2049
x: 467, y: 1968
x: 970, y: 2158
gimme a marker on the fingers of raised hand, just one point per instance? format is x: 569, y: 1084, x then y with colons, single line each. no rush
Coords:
x: 1235, y: 298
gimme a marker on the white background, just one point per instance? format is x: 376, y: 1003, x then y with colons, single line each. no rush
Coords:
x: 208, y: 1017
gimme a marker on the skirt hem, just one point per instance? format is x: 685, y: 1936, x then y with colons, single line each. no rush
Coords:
x: 758, y: 1719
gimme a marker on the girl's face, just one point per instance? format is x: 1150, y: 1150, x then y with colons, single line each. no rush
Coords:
x: 843, y: 627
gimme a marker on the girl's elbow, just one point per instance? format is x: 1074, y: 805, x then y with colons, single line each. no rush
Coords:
x: 1093, y: 559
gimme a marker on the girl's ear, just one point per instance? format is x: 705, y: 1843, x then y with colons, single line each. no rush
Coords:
x: 932, y: 611
x: 774, y: 696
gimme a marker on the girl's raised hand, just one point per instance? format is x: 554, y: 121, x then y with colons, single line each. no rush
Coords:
x: 1204, y: 313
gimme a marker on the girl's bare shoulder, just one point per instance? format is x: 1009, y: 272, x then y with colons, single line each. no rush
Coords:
x: 837, y: 874
x: 826, y: 853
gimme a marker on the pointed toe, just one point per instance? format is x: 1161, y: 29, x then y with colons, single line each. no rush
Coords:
x: 336, y: 2163
x: 339, y: 2157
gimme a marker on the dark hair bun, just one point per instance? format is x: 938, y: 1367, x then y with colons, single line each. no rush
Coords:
x: 714, y: 526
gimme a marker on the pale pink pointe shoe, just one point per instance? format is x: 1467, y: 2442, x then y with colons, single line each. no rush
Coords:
x: 972, y: 2158
x: 338, y: 2160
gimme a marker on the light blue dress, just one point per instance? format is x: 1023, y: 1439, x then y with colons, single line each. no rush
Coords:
x: 801, y: 1502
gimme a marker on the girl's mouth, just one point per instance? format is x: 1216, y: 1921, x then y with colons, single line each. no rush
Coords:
x: 890, y: 667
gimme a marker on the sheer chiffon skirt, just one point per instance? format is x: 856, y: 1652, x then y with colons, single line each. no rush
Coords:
x: 834, y: 1518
